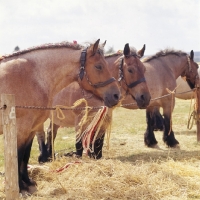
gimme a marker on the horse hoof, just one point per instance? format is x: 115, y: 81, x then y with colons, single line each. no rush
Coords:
x: 176, y: 146
x: 32, y: 189
x: 77, y: 156
x: 172, y: 144
x: 24, y: 189
x: 42, y: 160
x: 28, y: 191
x: 151, y: 143
x: 32, y: 183
x: 25, y: 193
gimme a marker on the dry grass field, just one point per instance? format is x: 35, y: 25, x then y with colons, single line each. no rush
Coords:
x: 128, y: 170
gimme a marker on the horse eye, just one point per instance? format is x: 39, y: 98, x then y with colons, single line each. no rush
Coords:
x: 98, y: 67
x: 130, y: 70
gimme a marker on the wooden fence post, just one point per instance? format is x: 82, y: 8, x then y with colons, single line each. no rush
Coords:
x: 10, y: 146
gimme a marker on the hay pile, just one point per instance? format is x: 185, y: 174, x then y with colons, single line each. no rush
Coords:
x: 113, y: 179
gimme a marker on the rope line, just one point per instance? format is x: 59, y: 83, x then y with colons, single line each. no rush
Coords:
x: 61, y: 107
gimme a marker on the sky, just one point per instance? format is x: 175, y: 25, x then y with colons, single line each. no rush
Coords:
x: 158, y: 24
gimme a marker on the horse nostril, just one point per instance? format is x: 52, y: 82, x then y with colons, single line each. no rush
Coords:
x: 116, y: 97
x: 142, y: 97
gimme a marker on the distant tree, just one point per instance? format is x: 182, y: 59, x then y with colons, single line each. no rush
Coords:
x: 16, y: 48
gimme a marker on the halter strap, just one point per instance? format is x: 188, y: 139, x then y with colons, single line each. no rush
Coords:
x: 102, y: 84
x: 136, y: 82
x: 83, y: 57
x: 82, y: 61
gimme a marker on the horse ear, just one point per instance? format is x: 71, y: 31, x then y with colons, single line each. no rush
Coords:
x: 126, y: 49
x: 141, y: 51
x: 192, y: 55
x: 103, y: 45
x: 95, y: 46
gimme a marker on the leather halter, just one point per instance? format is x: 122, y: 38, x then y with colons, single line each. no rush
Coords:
x: 192, y: 86
x: 83, y: 73
x: 121, y: 76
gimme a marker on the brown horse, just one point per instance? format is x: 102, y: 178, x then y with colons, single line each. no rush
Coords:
x: 162, y: 70
x: 35, y: 75
x: 183, y: 91
x: 129, y: 71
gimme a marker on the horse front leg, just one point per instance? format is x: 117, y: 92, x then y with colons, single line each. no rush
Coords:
x: 149, y: 137
x: 25, y: 183
x: 168, y: 134
x: 79, y: 149
x: 158, y: 119
x: 98, y: 146
x: 49, y: 138
x: 22, y: 185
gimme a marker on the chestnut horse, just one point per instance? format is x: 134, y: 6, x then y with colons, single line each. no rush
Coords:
x: 162, y: 70
x: 129, y: 71
x: 35, y: 75
x: 183, y: 91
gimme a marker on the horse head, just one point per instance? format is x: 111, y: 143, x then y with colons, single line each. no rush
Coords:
x: 94, y: 75
x: 191, y: 72
x: 133, y: 74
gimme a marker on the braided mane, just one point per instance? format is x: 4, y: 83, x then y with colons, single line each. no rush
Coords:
x: 165, y: 53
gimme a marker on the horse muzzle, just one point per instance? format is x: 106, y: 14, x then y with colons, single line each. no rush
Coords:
x: 112, y: 98
x: 143, y: 100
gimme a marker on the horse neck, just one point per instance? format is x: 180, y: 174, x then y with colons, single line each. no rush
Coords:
x: 113, y: 65
x: 55, y: 68
x: 175, y: 64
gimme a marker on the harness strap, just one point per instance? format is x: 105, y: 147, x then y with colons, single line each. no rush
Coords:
x: 82, y: 61
x: 102, y: 84
x: 83, y: 57
x: 136, y: 82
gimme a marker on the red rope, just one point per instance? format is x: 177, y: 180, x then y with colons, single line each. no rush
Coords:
x: 90, y: 133
x: 66, y: 166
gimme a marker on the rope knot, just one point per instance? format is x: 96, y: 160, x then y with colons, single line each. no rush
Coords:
x: 171, y: 91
